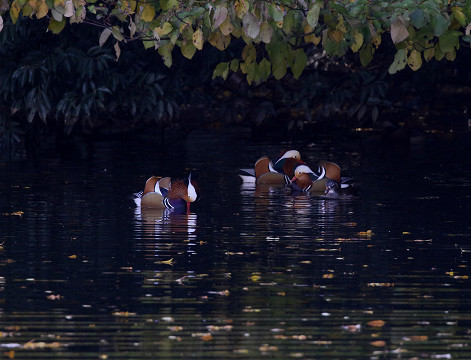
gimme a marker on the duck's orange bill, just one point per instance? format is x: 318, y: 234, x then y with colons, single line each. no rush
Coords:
x: 294, y: 178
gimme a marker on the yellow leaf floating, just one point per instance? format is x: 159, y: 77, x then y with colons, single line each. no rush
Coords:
x: 376, y: 323
x: 168, y: 262
x: 16, y: 213
x: 378, y: 343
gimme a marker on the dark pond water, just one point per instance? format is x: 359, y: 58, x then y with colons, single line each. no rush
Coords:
x: 248, y: 274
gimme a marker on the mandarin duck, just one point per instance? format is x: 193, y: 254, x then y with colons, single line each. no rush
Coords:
x: 307, y: 180
x: 165, y: 193
x: 265, y: 172
x: 335, y: 190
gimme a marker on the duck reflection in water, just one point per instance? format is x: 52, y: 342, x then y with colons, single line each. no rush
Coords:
x: 162, y: 229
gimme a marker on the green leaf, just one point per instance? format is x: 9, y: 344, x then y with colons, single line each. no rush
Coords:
x: 289, y: 22
x: 222, y: 69
x: 266, y: 32
x: 249, y: 53
x: 279, y: 68
x: 251, y: 70
x: 366, y: 54
x: 417, y: 18
x: 275, y: 12
x: 117, y: 34
x: 449, y: 40
x: 265, y: 69
x: 234, y: 65
x: 56, y: 26
x: 439, y: 23
x: 300, y: 62
x: 459, y: 15
x: 451, y: 55
x: 188, y: 48
x: 313, y: 15
x: 400, y: 61
x: 166, y: 53
x: 429, y: 54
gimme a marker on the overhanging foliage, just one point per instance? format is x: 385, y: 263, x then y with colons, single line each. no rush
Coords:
x: 278, y: 35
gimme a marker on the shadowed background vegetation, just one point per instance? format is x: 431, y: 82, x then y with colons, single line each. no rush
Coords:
x: 54, y: 88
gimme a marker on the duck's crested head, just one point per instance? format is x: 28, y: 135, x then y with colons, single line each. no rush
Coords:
x: 293, y: 154
x: 302, y: 169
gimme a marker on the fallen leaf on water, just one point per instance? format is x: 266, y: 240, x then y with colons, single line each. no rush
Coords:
x: 214, y: 328
x: 327, y: 276
x: 266, y: 347
x: 381, y: 284
x: 73, y: 257
x: 322, y: 342
x: 351, y: 224
x: 365, y: 233
x: 306, y: 262
x: 203, y: 336
x: 415, y: 338
x: 10, y: 354
x: 123, y: 313
x: 376, y: 323
x: 41, y: 345
x: 296, y: 355
x: 378, y: 343
x: 16, y: 213
x: 175, y: 328
x: 168, y: 262
x: 241, y: 351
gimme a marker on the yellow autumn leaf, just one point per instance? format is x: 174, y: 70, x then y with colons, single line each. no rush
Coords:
x: 336, y: 35
x: 219, y: 41
x: 15, y: 9
x: 357, y: 41
x: 168, y: 262
x: 165, y: 29
x: 241, y: 8
x: 311, y: 37
x: 59, y: 4
x: 376, y: 41
x: 414, y: 60
x: 148, y: 12
x: 198, y: 39
x: 226, y: 27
